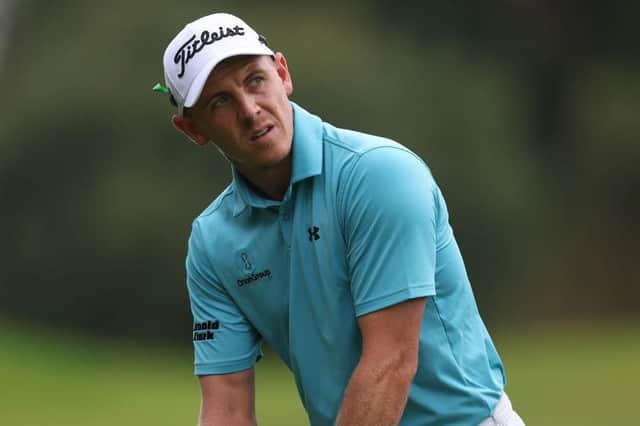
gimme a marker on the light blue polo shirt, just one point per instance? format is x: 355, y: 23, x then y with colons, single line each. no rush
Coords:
x: 363, y: 226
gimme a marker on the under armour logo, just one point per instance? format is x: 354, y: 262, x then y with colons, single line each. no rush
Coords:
x: 313, y: 233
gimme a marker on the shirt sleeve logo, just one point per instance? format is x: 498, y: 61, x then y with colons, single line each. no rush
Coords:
x: 205, y: 330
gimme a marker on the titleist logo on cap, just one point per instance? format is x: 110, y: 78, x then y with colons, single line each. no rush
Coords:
x: 195, y: 45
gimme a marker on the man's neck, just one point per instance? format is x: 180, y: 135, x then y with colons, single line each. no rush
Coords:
x: 271, y: 183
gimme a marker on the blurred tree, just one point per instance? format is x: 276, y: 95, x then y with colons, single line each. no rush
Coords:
x: 8, y: 12
x: 548, y: 42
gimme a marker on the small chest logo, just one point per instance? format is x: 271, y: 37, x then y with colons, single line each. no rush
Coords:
x: 314, y: 233
x: 247, y: 266
x: 246, y: 262
x: 251, y: 278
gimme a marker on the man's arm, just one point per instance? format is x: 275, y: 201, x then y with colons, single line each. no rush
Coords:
x: 378, y: 389
x: 228, y: 399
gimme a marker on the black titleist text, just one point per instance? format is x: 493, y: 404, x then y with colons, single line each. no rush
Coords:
x: 194, y: 45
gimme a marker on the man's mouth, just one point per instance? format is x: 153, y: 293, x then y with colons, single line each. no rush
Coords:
x: 256, y: 136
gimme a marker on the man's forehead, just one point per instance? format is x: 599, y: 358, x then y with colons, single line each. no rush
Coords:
x: 234, y: 65
x: 231, y: 71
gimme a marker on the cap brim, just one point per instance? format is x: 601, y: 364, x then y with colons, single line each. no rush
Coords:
x: 198, y: 83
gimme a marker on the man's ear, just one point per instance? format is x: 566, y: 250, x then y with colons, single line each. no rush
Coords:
x: 282, y: 68
x: 187, y: 126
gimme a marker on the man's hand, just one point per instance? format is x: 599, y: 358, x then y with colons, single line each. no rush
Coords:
x: 379, y: 386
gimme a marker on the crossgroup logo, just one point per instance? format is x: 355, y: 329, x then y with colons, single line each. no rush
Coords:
x: 204, y: 330
x: 254, y: 277
x: 246, y: 265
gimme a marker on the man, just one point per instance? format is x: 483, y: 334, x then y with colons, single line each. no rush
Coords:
x: 333, y: 246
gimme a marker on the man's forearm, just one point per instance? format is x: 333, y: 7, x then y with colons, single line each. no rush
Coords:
x: 376, y: 395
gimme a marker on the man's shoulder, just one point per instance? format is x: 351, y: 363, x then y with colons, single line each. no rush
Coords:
x: 346, y: 143
x: 218, y: 207
x: 211, y: 227
x: 355, y: 141
x: 354, y: 150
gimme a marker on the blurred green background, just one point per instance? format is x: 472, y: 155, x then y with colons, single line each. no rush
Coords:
x: 526, y: 112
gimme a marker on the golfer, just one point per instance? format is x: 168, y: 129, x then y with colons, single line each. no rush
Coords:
x: 332, y: 246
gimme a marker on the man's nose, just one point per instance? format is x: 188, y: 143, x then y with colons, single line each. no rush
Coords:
x: 248, y: 108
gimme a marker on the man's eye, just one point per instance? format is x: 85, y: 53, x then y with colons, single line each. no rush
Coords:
x: 219, y: 101
x: 256, y: 81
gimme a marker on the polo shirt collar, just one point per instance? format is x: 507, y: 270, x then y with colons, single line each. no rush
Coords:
x: 306, y: 161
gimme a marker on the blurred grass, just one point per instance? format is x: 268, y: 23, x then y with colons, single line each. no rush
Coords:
x: 571, y: 375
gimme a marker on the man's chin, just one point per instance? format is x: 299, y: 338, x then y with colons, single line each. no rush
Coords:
x: 270, y: 163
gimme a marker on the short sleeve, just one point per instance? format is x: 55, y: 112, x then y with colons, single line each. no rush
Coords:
x: 390, y: 206
x: 224, y: 340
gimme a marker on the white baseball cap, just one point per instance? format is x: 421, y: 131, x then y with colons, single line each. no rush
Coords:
x: 200, y: 46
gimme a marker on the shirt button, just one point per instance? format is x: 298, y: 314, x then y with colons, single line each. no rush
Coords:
x: 285, y: 216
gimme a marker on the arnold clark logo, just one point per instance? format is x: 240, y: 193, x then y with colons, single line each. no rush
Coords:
x: 205, y: 330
